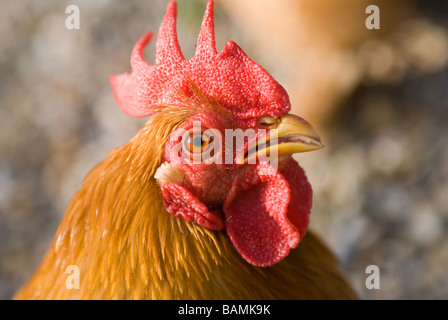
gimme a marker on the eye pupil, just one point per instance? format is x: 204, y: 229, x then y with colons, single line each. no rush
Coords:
x: 198, y: 141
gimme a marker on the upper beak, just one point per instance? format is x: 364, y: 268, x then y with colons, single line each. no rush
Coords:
x: 288, y: 135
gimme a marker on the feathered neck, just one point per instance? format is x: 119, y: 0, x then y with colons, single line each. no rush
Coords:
x: 117, y: 232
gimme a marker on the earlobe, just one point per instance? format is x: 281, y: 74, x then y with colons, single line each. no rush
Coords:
x: 169, y: 173
x: 181, y: 203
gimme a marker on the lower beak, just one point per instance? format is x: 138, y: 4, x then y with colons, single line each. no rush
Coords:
x: 291, y: 134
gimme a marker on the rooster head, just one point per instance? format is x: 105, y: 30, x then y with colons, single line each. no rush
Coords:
x: 228, y: 166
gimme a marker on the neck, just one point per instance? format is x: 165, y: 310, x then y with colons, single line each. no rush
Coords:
x: 117, y: 233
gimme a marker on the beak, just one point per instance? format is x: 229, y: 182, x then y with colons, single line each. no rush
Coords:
x: 288, y: 135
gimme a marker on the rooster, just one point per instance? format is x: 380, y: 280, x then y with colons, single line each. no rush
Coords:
x: 150, y: 222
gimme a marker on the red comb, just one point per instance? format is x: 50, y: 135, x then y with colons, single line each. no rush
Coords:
x: 242, y: 86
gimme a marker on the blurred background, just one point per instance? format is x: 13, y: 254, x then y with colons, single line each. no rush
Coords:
x: 379, y: 98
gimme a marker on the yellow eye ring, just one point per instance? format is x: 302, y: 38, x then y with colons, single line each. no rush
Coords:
x: 197, y: 142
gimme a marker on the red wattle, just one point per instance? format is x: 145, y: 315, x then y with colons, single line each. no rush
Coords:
x: 179, y: 202
x: 264, y: 217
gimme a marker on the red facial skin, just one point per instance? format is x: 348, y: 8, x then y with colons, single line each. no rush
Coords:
x: 262, y: 215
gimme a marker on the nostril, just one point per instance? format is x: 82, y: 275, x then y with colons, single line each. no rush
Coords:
x: 267, y: 122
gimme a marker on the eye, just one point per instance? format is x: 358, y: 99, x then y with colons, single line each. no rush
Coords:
x: 197, y: 142
x: 267, y: 122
